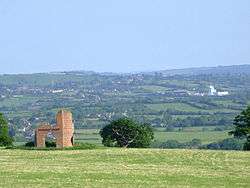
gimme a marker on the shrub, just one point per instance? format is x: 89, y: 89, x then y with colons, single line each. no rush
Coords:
x: 30, y: 144
x: 231, y: 144
x: 213, y: 145
x: 226, y: 144
x: 82, y: 146
x: 246, y: 146
x: 172, y: 144
x: 48, y: 144
x: 195, y: 143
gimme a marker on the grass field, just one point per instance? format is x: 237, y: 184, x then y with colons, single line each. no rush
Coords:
x: 174, y: 106
x: 92, y: 135
x: 124, y: 168
x: 206, y: 137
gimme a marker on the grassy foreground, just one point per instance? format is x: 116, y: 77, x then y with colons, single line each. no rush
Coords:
x: 124, y: 168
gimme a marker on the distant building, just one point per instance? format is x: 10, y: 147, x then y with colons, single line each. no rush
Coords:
x: 223, y: 93
x: 213, y: 91
x: 57, y: 91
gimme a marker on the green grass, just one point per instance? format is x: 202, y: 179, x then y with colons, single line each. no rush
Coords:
x: 124, y: 168
x: 208, y: 128
x: 173, y: 106
x: 206, y: 137
x: 92, y: 135
x: 153, y: 88
x: 18, y: 101
x: 88, y: 136
x: 187, y: 108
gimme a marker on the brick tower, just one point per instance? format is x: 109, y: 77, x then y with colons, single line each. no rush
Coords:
x: 64, y: 136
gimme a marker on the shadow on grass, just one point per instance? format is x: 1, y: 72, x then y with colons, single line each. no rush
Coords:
x: 77, y: 146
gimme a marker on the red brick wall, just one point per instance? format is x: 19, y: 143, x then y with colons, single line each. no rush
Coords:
x: 63, y: 130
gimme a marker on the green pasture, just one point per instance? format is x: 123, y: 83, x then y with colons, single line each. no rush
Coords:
x: 18, y: 101
x: 173, y: 106
x: 92, y: 136
x: 117, y: 167
x: 186, y: 136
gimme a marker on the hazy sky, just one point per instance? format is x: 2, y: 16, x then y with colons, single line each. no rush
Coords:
x: 122, y: 35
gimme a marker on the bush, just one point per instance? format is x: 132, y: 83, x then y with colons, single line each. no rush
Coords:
x: 213, y: 145
x: 30, y: 144
x: 246, y: 146
x: 174, y: 144
x: 82, y: 146
x: 52, y: 146
x: 171, y: 144
x: 226, y: 144
x: 195, y: 143
x: 231, y: 144
x: 48, y: 144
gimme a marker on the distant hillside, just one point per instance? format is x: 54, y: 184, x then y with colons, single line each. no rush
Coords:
x: 234, y: 69
x: 163, y: 100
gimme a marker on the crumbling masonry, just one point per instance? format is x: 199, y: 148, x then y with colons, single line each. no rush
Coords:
x: 63, y: 131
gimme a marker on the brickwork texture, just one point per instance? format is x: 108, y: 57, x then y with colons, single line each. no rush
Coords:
x: 63, y: 131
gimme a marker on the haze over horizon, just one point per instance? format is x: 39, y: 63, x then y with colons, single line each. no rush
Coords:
x: 122, y: 36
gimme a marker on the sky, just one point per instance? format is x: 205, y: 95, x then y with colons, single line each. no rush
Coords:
x: 122, y: 35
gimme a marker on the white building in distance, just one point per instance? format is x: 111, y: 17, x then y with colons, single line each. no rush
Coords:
x: 223, y: 93
x: 213, y: 91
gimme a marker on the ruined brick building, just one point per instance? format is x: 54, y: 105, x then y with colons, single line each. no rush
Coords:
x: 63, y: 131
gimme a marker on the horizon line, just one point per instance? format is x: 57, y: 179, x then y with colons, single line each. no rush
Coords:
x: 131, y: 72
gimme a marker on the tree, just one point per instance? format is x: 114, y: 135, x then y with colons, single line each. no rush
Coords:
x: 5, y: 139
x: 242, y: 127
x: 125, y: 132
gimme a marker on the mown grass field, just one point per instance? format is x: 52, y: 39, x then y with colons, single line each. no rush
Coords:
x: 124, y: 168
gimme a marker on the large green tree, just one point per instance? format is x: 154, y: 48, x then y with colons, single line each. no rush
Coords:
x: 242, y: 127
x: 127, y: 133
x: 5, y: 139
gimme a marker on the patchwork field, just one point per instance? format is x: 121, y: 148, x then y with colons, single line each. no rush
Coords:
x: 124, y: 168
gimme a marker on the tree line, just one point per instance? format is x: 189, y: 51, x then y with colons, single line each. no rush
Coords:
x: 126, y: 132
